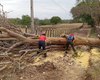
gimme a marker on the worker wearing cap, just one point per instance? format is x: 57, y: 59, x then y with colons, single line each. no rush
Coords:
x: 41, y: 43
x: 70, y: 39
x: 42, y: 39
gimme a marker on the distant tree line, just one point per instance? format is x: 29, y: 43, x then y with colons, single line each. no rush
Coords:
x: 26, y: 21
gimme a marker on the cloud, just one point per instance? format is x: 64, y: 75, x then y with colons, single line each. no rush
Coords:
x: 42, y: 8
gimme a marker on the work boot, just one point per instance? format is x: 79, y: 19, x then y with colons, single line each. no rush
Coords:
x: 38, y: 51
x: 75, y: 54
x: 45, y: 55
x: 65, y: 53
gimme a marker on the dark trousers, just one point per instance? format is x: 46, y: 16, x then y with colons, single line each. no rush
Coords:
x: 41, y: 45
x: 70, y: 44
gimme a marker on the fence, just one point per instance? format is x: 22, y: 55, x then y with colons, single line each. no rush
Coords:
x: 56, y: 31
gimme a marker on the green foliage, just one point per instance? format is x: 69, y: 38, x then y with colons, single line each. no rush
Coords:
x: 88, y: 19
x: 88, y: 10
x: 76, y: 20
x: 26, y: 20
x: 15, y: 21
x: 44, y: 22
x: 55, y: 20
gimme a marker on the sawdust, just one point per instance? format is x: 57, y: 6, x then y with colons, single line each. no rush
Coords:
x: 56, y: 67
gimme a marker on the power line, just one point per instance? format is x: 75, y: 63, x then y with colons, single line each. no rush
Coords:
x: 60, y: 6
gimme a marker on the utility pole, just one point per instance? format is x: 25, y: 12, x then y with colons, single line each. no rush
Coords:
x: 2, y: 8
x: 32, y: 17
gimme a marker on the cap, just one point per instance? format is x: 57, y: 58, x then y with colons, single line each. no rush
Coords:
x: 71, y: 34
x: 43, y: 32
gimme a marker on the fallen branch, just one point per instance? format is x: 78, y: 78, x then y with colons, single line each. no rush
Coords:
x: 3, y: 48
x: 5, y: 63
x: 4, y: 67
x: 7, y: 39
x: 4, y: 36
x: 17, y: 36
x: 27, y: 52
x: 13, y: 46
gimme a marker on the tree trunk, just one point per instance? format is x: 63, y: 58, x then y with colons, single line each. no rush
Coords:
x: 77, y: 41
x: 54, y: 41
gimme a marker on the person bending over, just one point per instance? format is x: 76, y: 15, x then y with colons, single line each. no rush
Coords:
x: 70, y: 38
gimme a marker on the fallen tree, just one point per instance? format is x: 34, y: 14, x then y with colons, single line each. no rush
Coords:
x: 77, y: 41
x: 52, y: 40
x: 21, y: 40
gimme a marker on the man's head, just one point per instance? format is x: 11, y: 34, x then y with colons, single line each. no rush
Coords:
x: 43, y: 33
x: 71, y: 34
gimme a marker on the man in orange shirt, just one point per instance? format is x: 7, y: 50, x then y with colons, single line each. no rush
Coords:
x: 41, y: 43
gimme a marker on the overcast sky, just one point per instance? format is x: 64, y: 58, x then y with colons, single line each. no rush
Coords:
x: 42, y: 8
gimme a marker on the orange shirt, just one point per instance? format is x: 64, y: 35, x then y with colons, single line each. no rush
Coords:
x: 42, y: 38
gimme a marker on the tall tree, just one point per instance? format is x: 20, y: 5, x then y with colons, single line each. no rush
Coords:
x: 88, y: 7
x: 26, y: 20
x: 55, y: 20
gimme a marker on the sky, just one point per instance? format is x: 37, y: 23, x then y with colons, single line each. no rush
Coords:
x: 43, y: 9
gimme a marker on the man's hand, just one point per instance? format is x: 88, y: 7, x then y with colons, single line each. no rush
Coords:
x: 98, y: 36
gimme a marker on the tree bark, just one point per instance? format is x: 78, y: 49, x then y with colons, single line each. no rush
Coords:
x: 77, y: 41
x: 13, y: 46
x: 4, y: 36
x: 52, y: 40
x: 17, y: 36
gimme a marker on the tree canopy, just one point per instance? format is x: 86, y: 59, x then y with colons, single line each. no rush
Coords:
x: 55, y: 20
x: 87, y: 9
x: 26, y: 20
